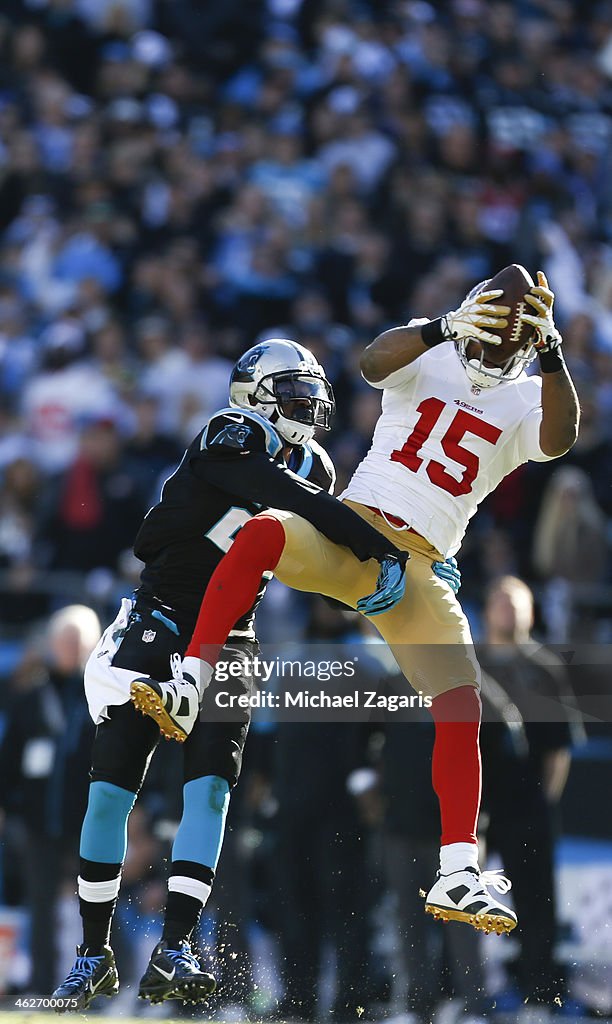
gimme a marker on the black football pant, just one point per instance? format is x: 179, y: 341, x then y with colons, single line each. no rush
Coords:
x: 124, y: 743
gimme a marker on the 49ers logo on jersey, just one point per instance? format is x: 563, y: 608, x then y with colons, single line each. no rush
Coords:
x: 464, y: 405
x: 430, y: 410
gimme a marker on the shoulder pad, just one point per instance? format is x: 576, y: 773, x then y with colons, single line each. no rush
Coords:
x: 240, y: 430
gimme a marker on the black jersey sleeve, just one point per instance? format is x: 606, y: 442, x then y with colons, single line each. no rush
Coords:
x: 256, y: 477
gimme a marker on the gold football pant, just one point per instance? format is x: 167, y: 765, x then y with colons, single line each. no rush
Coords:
x: 427, y: 631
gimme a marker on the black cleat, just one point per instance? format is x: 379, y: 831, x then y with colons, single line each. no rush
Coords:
x: 175, y: 974
x: 91, y: 976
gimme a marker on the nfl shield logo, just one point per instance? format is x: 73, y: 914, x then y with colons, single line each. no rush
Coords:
x: 475, y: 389
x: 148, y: 636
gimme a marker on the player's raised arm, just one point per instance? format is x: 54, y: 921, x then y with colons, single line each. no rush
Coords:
x: 560, y: 408
x: 477, y: 317
x: 390, y: 351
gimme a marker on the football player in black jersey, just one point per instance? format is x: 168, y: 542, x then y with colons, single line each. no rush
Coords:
x: 250, y: 456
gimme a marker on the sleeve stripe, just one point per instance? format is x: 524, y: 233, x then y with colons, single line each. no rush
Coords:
x: 306, y: 466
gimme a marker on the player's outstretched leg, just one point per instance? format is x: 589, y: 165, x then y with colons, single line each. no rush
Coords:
x: 460, y: 892
x: 102, y: 852
x: 121, y: 751
x: 90, y: 977
x: 174, y: 705
x: 174, y: 972
x: 231, y: 592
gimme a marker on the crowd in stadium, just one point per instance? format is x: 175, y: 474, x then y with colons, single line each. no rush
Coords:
x: 175, y: 183
x: 179, y: 179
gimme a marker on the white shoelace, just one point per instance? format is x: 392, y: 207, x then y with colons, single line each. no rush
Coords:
x: 496, y: 880
x: 176, y: 667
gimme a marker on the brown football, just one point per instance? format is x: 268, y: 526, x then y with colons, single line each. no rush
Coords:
x: 514, y: 281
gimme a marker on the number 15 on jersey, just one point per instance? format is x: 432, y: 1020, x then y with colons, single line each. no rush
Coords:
x: 463, y: 423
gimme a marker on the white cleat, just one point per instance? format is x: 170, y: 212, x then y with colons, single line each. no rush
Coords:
x: 174, y: 705
x: 463, y: 896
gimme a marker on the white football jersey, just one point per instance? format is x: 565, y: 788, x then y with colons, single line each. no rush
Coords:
x: 441, y: 445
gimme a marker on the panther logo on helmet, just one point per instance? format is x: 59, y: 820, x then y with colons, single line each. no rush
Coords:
x: 247, y: 363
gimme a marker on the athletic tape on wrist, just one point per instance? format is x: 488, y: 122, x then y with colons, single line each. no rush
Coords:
x: 551, y: 362
x: 432, y: 333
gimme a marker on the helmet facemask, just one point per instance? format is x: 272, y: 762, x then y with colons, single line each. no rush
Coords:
x: 303, y: 401
x: 482, y: 376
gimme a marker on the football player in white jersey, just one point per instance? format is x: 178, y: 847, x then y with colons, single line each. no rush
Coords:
x: 459, y: 413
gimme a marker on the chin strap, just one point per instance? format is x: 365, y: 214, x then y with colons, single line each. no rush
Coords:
x: 275, y: 418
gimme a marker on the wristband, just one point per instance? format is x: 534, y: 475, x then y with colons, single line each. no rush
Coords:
x: 551, y: 362
x: 432, y: 333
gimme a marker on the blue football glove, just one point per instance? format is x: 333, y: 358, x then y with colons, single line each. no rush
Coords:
x: 390, y: 586
x: 449, y: 572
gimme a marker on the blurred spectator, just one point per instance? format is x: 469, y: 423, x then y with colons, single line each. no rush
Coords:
x: 204, y: 385
x: 94, y: 508
x: 18, y: 502
x: 64, y: 390
x: 592, y: 452
x: 287, y: 179
x: 570, y: 535
x: 44, y: 765
x: 150, y: 453
x: 17, y: 349
x: 522, y: 793
x: 165, y: 367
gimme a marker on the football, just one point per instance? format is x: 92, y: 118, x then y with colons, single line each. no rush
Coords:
x: 514, y: 281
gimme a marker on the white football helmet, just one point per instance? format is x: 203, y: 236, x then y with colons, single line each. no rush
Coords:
x: 284, y: 382
x: 482, y: 376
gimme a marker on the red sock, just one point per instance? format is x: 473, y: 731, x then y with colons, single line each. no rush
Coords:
x: 234, y: 584
x: 456, y: 767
